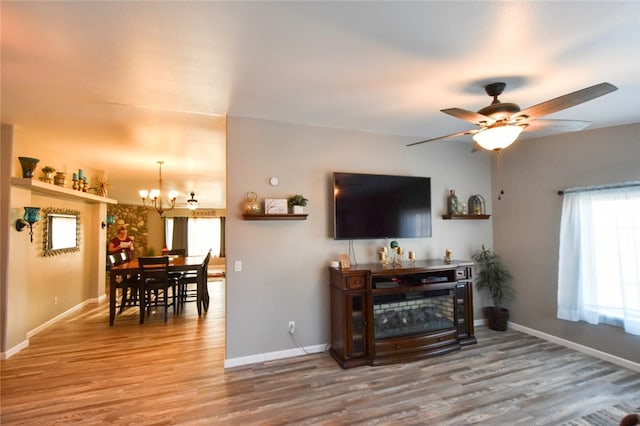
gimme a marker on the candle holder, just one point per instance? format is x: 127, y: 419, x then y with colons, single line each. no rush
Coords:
x: 31, y: 216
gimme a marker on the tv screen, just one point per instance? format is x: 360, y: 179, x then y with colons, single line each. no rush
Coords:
x: 381, y: 206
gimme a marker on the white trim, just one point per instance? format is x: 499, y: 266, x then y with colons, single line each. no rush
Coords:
x: 14, y: 350
x: 270, y: 356
x: 580, y: 348
x: 57, y: 318
x: 479, y: 322
x: 25, y: 343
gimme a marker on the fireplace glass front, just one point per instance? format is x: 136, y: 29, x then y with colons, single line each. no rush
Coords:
x: 417, y: 312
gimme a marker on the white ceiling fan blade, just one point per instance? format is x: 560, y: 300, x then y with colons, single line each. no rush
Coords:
x: 567, y: 101
x: 453, y: 135
x: 543, y: 127
x: 470, y: 116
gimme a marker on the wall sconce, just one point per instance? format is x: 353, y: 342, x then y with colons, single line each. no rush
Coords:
x: 110, y: 221
x: 31, y: 216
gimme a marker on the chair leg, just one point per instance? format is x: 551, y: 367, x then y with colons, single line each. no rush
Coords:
x: 123, y: 299
x: 206, y: 298
x: 143, y: 304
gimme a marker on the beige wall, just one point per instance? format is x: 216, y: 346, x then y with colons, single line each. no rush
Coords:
x: 37, y: 289
x: 285, y: 275
x: 527, y: 222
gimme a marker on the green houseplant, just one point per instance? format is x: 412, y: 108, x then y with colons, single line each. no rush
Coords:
x: 296, y: 202
x: 494, y: 277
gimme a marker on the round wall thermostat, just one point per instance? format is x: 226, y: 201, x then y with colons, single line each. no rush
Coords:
x: 273, y: 181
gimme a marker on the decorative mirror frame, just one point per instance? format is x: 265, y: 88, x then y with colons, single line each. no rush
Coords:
x: 47, y: 250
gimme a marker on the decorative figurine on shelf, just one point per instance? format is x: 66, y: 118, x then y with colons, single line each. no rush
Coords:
x: 397, y: 260
x: 102, y: 186
x: 382, y: 255
x: 452, y: 202
x: 447, y: 256
x: 412, y: 257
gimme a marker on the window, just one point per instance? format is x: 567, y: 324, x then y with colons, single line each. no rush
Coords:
x: 599, y: 259
x: 203, y: 234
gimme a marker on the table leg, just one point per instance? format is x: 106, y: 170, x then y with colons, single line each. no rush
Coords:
x: 142, y: 300
x: 112, y: 296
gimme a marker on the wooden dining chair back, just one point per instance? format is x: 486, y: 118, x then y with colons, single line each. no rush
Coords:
x: 156, y: 286
x: 128, y: 284
x: 187, y: 292
x: 125, y: 256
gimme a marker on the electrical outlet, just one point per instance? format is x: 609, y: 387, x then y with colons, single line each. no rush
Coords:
x: 292, y: 327
x: 55, y: 300
x: 238, y: 266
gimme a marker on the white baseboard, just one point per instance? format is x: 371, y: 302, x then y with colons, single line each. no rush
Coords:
x: 14, y: 350
x: 580, y: 348
x: 270, y: 356
x: 25, y: 343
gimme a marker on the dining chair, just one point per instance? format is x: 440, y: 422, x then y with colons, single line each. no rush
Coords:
x: 128, y: 284
x: 155, y: 281
x: 186, y: 294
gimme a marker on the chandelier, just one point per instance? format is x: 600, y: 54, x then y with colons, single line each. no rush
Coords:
x: 155, y: 195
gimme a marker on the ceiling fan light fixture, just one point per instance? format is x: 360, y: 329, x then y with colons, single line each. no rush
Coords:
x: 498, y: 137
x: 192, y: 203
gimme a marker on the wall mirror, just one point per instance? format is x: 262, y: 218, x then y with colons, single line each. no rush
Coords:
x: 61, y: 231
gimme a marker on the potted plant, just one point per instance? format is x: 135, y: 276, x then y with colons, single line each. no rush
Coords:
x: 48, y: 173
x: 296, y: 203
x: 494, y: 276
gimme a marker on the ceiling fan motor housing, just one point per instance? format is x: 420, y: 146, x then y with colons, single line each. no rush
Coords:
x: 498, y: 110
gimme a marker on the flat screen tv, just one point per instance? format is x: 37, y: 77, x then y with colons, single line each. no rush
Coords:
x: 370, y: 206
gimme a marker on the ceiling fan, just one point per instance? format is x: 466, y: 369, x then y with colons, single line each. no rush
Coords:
x: 500, y: 123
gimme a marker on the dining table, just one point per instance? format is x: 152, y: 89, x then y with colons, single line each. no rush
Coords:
x: 176, y: 264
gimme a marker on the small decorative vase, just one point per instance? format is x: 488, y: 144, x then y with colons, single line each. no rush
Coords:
x: 452, y: 202
x: 59, y: 178
x: 28, y: 166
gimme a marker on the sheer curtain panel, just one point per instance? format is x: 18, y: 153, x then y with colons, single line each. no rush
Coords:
x: 599, y: 257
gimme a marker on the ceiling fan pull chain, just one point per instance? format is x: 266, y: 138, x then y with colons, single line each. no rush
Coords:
x: 499, y: 171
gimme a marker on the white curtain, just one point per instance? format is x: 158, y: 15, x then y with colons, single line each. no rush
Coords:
x: 599, y: 258
x: 204, y: 236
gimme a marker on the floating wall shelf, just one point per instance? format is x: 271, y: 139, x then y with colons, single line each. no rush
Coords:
x: 59, y: 191
x: 275, y: 216
x: 465, y: 216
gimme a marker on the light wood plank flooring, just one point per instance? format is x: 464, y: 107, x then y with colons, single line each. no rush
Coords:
x: 82, y: 371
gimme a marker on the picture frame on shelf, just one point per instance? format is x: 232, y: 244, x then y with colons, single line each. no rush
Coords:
x: 275, y: 206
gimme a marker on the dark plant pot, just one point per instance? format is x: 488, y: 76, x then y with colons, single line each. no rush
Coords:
x: 28, y: 166
x: 496, y: 318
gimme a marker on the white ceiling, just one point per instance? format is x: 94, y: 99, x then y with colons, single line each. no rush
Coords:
x: 121, y: 85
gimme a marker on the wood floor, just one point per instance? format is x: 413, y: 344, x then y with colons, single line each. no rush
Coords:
x: 84, y: 372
